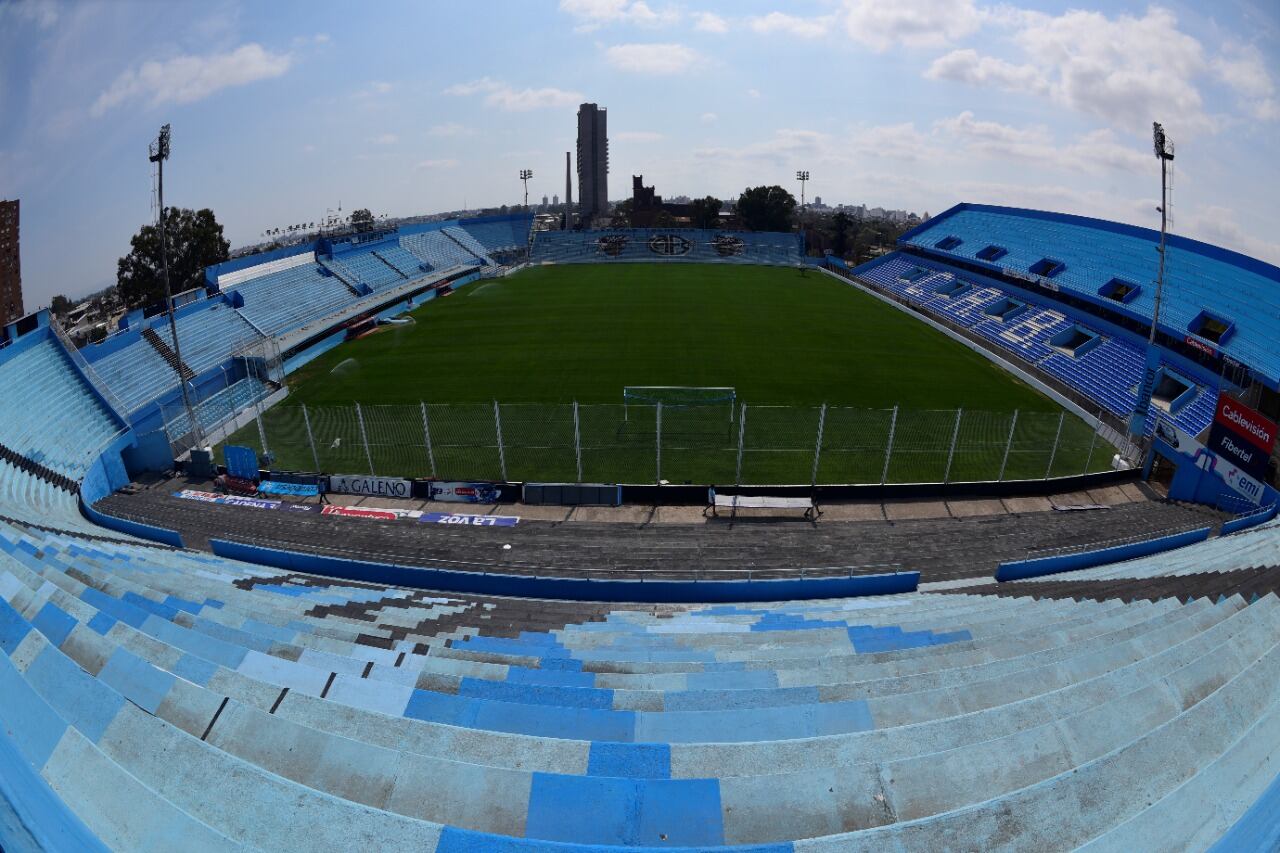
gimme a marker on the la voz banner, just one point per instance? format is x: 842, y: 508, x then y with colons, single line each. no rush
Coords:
x: 382, y: 487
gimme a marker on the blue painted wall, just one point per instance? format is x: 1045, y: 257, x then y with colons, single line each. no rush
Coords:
x: 571, y: 589
x: 1020, y: 569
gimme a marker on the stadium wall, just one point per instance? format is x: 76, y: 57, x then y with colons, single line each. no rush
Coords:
x: 211, y: 273
x: 570, y: 589
x: 1023, y: 569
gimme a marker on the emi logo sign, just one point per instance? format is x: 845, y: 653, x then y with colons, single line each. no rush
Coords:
x: 671, y: 245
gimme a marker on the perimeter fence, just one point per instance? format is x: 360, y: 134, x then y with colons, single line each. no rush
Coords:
x: 612, y: 443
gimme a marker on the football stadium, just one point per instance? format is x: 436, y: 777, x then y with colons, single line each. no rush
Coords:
x: 494, y: 533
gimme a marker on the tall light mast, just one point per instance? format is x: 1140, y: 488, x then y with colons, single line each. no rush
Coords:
x: 158, y: 153
x: 1164, y: 153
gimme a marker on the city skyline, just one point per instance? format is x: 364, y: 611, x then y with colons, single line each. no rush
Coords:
x: 917, y: 107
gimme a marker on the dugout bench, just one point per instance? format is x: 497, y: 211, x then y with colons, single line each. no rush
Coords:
x: 733, y: 503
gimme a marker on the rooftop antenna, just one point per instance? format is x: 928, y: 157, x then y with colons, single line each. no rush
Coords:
x: 158, y: 153
x: 1163, y: 147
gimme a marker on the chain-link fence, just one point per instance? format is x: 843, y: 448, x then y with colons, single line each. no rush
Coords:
x: 747, y: 445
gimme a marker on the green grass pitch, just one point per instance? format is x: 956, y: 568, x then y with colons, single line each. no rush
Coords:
x: 560, y: 333
x: 541, y: 339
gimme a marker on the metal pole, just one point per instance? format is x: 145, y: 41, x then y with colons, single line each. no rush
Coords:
x: 1053, y: 454
x: 502, y: 451
x: 162, y: 154
x: 658, y: 463
x: 262, y: 433
x: 311, y: 439
x: 577, y: 440
x: 426, y: 436
x: 951, y: 454
x: 364, y: 437
x: 1008, y: 445
x: 888, y: 451
x: 742, y: 430
x: 1093, y: 442
x: 817, y: 445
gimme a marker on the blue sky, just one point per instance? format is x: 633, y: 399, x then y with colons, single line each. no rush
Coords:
x: 281, y: 110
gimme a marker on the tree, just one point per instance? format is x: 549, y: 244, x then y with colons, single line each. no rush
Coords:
x: 60, y: 305
x: 194, y: 242
x: 840, y: 225
x: 766, y: 208
x: 362, y: 219
x: 705, y: 212
x: 621, y: 215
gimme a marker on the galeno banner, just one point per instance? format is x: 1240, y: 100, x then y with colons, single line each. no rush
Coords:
x: 382, y: 487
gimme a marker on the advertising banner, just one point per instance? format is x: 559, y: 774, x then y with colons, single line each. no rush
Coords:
x: 368, y: 512
x: 301, y: 490
x: 1235, y: 450
x: 1138, y: 420
x: 473, y: 520
x: 467, y: 493
x: 1252, y: 426
x: 226, y: 500
x: 382, y: 487
x: 1233, y: 475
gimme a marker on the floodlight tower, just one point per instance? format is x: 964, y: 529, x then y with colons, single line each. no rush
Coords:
x: 525, y: 175
x: 1164, y: 153
x: 158, y: 153
x: 802, y: 177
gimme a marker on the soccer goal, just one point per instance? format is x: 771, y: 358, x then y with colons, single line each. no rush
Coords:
x: 679, y: 397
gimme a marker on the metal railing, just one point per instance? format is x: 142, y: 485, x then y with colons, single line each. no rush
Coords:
x: 1101, y: 544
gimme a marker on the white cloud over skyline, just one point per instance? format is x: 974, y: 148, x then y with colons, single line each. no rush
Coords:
x: 281, y: 111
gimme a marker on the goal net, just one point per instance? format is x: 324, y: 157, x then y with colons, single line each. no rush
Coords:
x: 680, y: 397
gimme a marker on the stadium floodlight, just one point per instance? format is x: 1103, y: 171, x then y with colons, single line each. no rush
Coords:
x: 158, y: 153
x: 525, y: 175
x: 1163, y: 147
x: 802, y: 177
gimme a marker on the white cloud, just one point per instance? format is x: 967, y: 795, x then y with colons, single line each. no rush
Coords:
x: 593, y: 14
x: 435, y: 164
x: 384, y: 139
x: 914, y: 23
x: 966, y: 66
x: 753, y: 93
x: 1217, y: 225
x: 707, y: 118
x: 450, y: 129
x: 784, y: 24
x: 1096, y: 152
x: 785, y: 144
x: 1243, y: 68
x: 710, y: 22
x: 637, y: 136
x: 897, y: 142
x: 42, y: 13
x: 1125, y: 70
x: 501, y: 95
x: 186, y: 79
x: 652, y: 58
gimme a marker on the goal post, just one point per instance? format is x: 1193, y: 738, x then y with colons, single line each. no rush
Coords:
x: 679, y: 396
